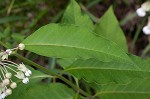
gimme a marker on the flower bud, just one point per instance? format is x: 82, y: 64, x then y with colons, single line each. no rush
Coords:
x: 21, y: 46
x: 146, y: 30
x: 146, y: 6
x: 27, y: 73
x: 5, y: 56
x: 20, y: 75
x: 22, y: 67
x: 8, y: 91
x: 8, y: 75
x: 140, y: 12
x: 13, y: 85
x: 25, y: 80
x: 8, y: 51
x: 6, y: 81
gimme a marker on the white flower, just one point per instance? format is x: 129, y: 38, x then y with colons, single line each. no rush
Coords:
x: 25, y: 80
x: 8, y: 91
x: 13, y: 85
x: 146, y: 30
x: 6, y: 81
x: 3, y: 95
x: 22, y: 67
x: 8, y: 75
x: 20, y: 75
x: 5, y: 56
x: 21, y: 46
x: 146, y: 6
x: 28, y: 73
x: 8, y: 51
x: 21, y: 72
x: 141, y: 12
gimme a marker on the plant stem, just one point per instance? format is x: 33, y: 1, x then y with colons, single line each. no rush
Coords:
x: 49, y: 72
x: 139, y: 28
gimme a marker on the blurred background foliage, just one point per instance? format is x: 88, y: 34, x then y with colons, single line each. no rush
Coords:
x: 20, y: 18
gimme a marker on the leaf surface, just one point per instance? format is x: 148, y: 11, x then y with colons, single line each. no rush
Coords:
x: 108, y: 26
x: 137, y: 89
x: 43, y: 91
x: 69, y: 41
x: 100, y: 72
x: 74, y: 15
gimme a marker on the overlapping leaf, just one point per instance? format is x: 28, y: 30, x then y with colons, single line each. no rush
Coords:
x: 108, y: 26
x: 74, y: 15
x: 109, y: 72
x: 137, y: 89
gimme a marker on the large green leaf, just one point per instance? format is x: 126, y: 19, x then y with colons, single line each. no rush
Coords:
x: 69, y: 41
x: 74, y: 15
x: 100, y: 72
x: 137, y: 89
x: 43, y: 91
x: 108, y: 27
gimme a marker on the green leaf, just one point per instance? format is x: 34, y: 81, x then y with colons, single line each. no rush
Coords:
x: 74, y: 15
x: 65, y: 62
x: 137, y: 89
x: 43, y: 91
x: 100, y: 72
x: 6, y: 32
x: 18, y: 37
x: 69, y: 41
x: 108, y: 26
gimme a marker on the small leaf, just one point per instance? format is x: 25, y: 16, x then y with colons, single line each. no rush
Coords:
x: 74, y: 15
x: 6, y: 32
x: 108, y: 26
x: 18, y: 37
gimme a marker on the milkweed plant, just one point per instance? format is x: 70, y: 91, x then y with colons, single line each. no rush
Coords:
x: 92, y: 60
x: 20, y: 71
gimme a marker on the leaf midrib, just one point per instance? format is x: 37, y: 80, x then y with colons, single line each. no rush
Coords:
x: 122, y: 92
x: 96, y: 68
x: 56, y: 45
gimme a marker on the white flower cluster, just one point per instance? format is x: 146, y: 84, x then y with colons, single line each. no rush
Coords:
x: 141, y: 12
x: 9, y: 70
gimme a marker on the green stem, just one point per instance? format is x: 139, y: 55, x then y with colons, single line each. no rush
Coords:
x: 139, y: 28
x: 49, y: 72
x: 10, y: 7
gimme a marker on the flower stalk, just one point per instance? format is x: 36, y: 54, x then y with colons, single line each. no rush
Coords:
x: 29, y: 62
